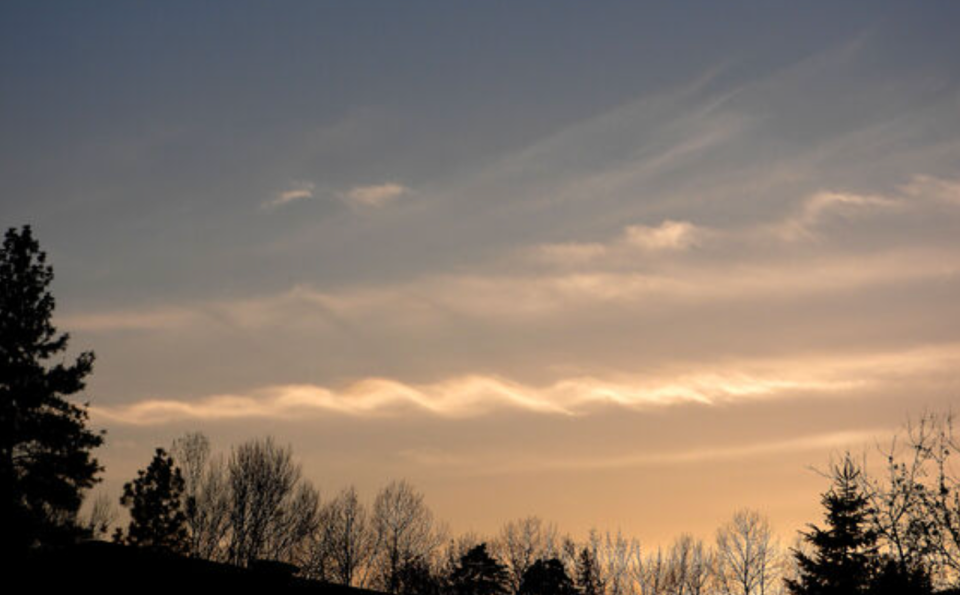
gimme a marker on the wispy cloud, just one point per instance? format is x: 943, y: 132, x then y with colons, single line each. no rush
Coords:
x: 474, y: 395
x: 669, y: 235
x: 297, y: 191
x: 815, y: 208
x: 531, y: 296
x: 930, y: 187
x: 479, y: 465
x: 377, y: 195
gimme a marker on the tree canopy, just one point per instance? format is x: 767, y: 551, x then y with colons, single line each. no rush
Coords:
x: 157, y: 517
x: 547, y: 577
x: 478, y: 573
x: 844, y: 552
x: 45, y: 445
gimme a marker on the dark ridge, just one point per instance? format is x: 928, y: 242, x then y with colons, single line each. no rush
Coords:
x: 101, y: 567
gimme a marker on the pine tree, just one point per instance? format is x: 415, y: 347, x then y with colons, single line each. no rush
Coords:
x: 844, y: 558
x: 45, y: 446
x: 477, y: 573
x: 157, y: 518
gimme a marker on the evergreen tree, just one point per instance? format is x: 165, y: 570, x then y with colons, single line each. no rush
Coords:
x: 896, y: 579
x: 157, y: 518
x: 416, y: 578
x: 588, y: 575
x: 546, y: 577
x: 844, y: 559
x: 45, y: 446
x: 477, y: 573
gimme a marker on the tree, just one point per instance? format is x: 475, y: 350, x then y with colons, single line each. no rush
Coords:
x: 619, y: 560
x: 417, y: 578
x: 344, y: 540
x: 273, y: 511
x: 478, y: 573
x: 157, y: 518
x: 746, y: 555
x: 522, y: 542
x: 915, y: 510
x: 103, y: 513
x: 546, y: 577
x: 588, y: 574
x: 687, y: 568
x: 45, y: 446
x: 403, y: 531
x: 206, y: 495
x: 844, y: 556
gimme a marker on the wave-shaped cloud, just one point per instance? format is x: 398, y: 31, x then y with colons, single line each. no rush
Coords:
x: 475, y: 395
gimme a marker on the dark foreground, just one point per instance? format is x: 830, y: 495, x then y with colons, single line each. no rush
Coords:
x: 100, y: 567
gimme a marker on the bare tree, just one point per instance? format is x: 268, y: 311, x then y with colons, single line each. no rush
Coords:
x: 190, y: 452
x: 522, y: 542
x: 403, y: 531
x: 272, y: 510
x: 915, y: 504
x: 686, y: 570
x: 206, y: 495
x: 699, y: 566
x: 620, y: 562
x: 747, y: 555
x: 103, y: 514
x: 653, y: 574
x: 210, y: 522
x: 344, y: 543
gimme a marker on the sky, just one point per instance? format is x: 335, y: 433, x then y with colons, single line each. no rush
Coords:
x: 620, y: 265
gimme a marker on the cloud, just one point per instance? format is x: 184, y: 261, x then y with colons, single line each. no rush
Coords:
x: 669, y: 235
x: 536, y: 296
x: 480, y: 465
x: 930, y: 187
x: 376, y: 195
x: 298, y: 191
x: 568, y: 253
x: 476, y: 395
x: 818, y: 206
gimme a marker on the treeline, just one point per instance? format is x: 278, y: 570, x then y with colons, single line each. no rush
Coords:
x: 896, y: 531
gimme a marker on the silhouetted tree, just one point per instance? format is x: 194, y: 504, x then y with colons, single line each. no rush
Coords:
x: 206, y: 495
x: 344, y: 541
x: 417, y: 578
x: 103, y: 513
x: 619, y: 561
x: 654, y: 574
x: 478, y: 573
x: 403, y: 531
x: 687, y: 567
x: 746, y: 556
x: 587, y: 573
x: 546, y: 577
x: 844, y: 556
x: 915, y: 508
x: 273, y: 511
x: 157, y: 519
x: 45, y: 446
x: 522, y: 542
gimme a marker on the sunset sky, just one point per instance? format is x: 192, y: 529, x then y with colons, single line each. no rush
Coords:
x: 619, y: 265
